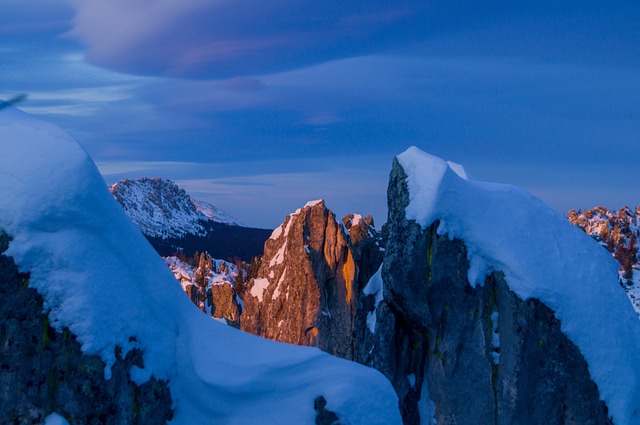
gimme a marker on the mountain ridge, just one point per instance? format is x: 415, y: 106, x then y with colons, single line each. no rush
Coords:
x: 173, y: 221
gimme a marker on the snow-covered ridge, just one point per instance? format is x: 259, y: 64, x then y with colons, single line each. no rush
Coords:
x: 214, y: 213
x: 542, y: 256
x: 100, y: 278
x: 162, y: 209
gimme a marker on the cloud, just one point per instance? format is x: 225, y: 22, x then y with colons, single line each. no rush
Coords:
x: 222, y: 39
x: 24, y: 19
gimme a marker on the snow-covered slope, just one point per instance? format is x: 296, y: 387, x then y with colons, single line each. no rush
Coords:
x: 214, y: 213
x: 161, y: 209
x: 101, y: 279
x: 542, y: 256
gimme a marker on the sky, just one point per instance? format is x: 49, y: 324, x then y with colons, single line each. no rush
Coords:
x: 258, y: 107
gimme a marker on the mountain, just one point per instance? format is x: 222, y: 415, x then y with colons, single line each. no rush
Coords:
x: 306, y: 289
x: 477, y: 303
x: 473, y: 315
x: 112, y: 338
x: 173, y: 221
x: 214, y: 213
x: 618, y: 232
x: 491, y: 308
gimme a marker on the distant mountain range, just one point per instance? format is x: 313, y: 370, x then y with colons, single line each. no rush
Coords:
x: 173, y: 221
x: 341, y: 285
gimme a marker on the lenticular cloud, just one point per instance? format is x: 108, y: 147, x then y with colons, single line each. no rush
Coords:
x: 213, y: 39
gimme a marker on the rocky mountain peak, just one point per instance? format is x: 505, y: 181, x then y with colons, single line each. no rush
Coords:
x: 306, y: 289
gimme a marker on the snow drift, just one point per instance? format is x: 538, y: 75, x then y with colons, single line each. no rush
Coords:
x: 101, y: 279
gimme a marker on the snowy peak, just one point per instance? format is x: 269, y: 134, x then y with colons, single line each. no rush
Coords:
x: 162, y: 209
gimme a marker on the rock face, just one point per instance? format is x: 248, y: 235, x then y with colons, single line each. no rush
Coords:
x: 466, y: 355
x: 44, y: 371
x: 306, y: 290
x: 224, y: 303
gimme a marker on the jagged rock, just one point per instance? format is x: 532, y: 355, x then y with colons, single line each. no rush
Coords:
x: 224, y: 302
x: 209, y: 285
x: 487, y: 356
x: 366, y: 246
x: 44, y: 371
x: 324, y: 416
x: 306, y: 292
x: 618, y: 232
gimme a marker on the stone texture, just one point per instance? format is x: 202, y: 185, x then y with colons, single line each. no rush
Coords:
x: 224, y: 303
x: 43, y: 370
x: 313, y: 283
x: 433, y: 325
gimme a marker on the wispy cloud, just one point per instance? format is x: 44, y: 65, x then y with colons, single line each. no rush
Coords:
x: 218, y: 39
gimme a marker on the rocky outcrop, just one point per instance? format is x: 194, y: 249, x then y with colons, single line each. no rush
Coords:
x: 618, y: 231
x: 209, y: 285
x: 366, y: 246
x: 43, y: 370
x: 307, y: 287
x: 224, y: 303
x: 466, y: 355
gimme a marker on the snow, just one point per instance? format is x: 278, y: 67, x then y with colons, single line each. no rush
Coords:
x: 374, y: 287
x: 159, y: 207
x: 459, y: 170
x: 276, y: 232
x: 162, y: 209
x: 259, y: 285
x: 214, y: 213
x: 412, y: 379
x: 426, y: 407
x: 279, y: 257
x: 55, y: 419
x: 100, y: 278
x: 186, y: 274
x: 542, y: 256
x: 313, y: 203
x: 276, y: 293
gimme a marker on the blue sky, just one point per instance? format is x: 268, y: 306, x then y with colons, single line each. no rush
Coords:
x: 259, y: 106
